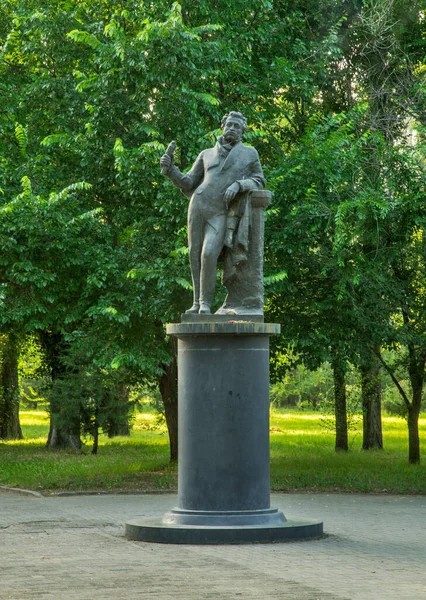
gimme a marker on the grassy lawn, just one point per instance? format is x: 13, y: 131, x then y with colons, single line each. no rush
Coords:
x: 136, y: 462
x: 302, y: 459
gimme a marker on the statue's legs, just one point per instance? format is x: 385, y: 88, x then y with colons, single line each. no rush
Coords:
x: 196, y: 226
x: 214, y: 234
x: 195, y: 262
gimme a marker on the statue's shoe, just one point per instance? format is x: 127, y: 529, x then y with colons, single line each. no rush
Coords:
x: 204, y: 309
x: 193, y: 310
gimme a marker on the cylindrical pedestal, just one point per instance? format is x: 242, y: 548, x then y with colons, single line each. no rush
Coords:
x: 223, y: 422
x: 224, y: 484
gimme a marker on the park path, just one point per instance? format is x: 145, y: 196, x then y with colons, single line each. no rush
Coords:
x: 73, y: 548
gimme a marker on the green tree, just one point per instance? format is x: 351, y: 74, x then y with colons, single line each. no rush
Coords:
x: 341, y: 212
x: 389, y: 37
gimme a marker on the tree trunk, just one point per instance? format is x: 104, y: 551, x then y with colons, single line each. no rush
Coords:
x: 10, y: 428
x: 123, y: 427
x: 416, y: 370
x: 416, y: 378
x: 413, y: 436
x: 417, y: 373
x: 54, y: 345
x: 168, y: 391
x: 95, y: 438
x: 340, y: 404
x: 371, y: 406
x: 59, y: 439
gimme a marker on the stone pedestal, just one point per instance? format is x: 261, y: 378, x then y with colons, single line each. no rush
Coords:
x: 245, y: 286
x: 224, y: 484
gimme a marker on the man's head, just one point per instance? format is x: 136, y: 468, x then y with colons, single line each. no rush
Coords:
x: 234, y: 125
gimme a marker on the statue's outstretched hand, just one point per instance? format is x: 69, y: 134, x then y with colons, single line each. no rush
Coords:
x: 230, y: 193
x: 165, y: 162
x: 167, y: 158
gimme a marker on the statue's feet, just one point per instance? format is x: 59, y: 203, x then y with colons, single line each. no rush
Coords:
x: 204, y: 309
x: 193, y: 310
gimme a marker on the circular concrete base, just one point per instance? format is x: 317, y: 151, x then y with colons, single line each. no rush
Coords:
x: 154, y: 530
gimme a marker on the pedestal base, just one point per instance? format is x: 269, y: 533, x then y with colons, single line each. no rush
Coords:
x: 154, y: 530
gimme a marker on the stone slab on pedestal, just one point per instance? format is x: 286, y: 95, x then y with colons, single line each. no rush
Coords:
x: 223, y: 478
x: 218, y: 318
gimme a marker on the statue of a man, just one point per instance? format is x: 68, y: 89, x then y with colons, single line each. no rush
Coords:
x: 218, y: 176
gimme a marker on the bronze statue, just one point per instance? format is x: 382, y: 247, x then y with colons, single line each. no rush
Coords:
x: 219, y: 214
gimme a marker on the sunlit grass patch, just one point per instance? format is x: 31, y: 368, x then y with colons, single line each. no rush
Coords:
x: 303, y: 458
x: 35, y: 424
x: 34, y: 417
x: 118, y: 466
x: 138, y: 461
x: 147, y: 421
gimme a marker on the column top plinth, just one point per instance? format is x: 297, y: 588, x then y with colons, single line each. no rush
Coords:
x: 225, y: 325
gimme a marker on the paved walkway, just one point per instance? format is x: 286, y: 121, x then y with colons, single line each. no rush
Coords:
x: 73, y: 548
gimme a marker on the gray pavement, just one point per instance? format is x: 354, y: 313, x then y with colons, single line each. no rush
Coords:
x: 73, y: 548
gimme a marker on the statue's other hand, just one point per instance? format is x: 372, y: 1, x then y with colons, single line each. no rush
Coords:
x: 230, y: 193
x: 165, y: 162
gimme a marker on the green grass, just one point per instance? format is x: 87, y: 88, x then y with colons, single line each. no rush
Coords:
x: 302, y: 459
x: 140, y: 461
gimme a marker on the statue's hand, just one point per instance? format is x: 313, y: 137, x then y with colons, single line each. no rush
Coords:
x: 230, y: 193
x: 165, y: 162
